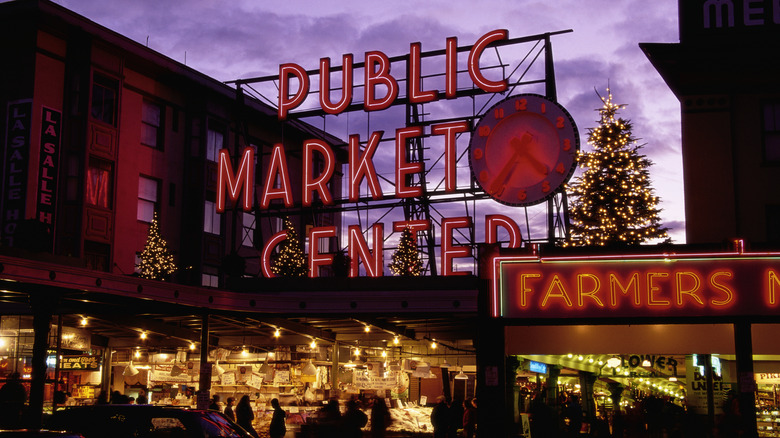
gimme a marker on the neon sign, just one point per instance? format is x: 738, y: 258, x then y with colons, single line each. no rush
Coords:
x: 636, y: 286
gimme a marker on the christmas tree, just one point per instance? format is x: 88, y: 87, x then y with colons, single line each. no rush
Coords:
x: 290, y: 261
x: 613, y: 202
x: 156, y: 260
x: 406, y: 259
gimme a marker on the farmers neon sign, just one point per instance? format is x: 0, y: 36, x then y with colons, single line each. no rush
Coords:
x: 636, y: 286
x: 380, y: 91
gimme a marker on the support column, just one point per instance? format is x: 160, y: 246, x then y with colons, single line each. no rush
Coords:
x: 494, y: 413
x: 204, y: 383
x: 746, y: 383
x: 587, y: 380
x: 43, y: 303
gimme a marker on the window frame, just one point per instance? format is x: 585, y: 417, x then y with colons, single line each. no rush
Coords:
x: 149, y: 124
x: 102, y: 86
x: 143, y: 200
x: 210, y: 216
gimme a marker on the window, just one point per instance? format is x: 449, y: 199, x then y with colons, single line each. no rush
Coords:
x: 99, y: 186
x: 209, y: 277
x: 97, y: 256
x: 214, y: 141
x: 211, y: 220
x: 151, y: 125
x: 104, y: 99
x: 249, y: 226
x: 147, y: 198
x: 772, y: 132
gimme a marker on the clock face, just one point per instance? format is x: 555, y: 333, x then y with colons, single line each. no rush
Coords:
x: 524, y: 149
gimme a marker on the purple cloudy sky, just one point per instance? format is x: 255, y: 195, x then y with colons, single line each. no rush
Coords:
x: 248, y: 38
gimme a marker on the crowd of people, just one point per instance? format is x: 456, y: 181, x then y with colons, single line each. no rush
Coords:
x: 448, y: 419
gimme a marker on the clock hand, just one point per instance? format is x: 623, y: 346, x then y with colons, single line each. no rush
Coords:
x: 521, y: 148
x: 517, y: 144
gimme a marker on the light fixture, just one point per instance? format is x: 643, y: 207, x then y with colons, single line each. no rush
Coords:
x: 83, y: 321
x: 143, y: 335
x: 137, y: 354
x: 313, y: 343
x: 672, y: 378
x: 433, y: 344
x: 384, y: 353
x: 396, y: 340
x: 366, y: 329
x: 356, y: 351
x: 614, y: 362
x: 646, y: 363
x: 350, y: 364
x: 444, y: 364
x: 277, y: 333
x: 309, y: 369
x: 162, y: 356
x: 130, y: 370
x: 461, y: 375
x: 244, y: 352
x: 192, y: 346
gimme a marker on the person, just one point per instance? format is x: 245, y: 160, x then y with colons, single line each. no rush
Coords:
x: 380, y: 418
x: 12, y: 398
x: 573, y: 411
x: 245, y: 416
x: 229, y: 409
x: 277, y: 429
x: 329, y: 419
x: 214, y: 406
x: 142, y: 400
x: 440, y: 417
x: 469, y: 418
x: 353, y: 420
x: 456, y: 418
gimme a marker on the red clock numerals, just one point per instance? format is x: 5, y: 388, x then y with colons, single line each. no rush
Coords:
x: 566, y: 144
x: 560, y: 169
x: 521, y: 104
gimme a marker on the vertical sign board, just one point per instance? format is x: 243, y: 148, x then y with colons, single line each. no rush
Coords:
x: 15, y: 163
x: 48, y: 165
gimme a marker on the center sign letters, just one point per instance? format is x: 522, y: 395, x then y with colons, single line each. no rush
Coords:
x: 636, y: 286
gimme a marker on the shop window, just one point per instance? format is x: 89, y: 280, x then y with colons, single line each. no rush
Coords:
x: 99, y: 183
x: 772, y: 132
x: 97, y: 256
x: 211, y: 219
x: 152, y: 132
x: 148, y: 195
x: 249, y: 224
x: 104, y: 99
x: 214, y: 142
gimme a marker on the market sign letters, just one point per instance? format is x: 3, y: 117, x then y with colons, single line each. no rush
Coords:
x: 630, y: 286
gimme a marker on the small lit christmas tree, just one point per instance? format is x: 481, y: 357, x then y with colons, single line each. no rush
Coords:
x: 156, y: 260
x: 290, y: 261
x: 406, y: 259
x: 613, y: 202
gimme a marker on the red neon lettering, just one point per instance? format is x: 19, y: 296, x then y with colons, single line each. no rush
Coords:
x: 415, y: 93
x: 265, y: 259
x: 362, y: 166
x: 358, y: 249
x: 404, y: 169
x: 315, y: 258
x: 691, y: 291
x: 286, y: 71
x: 235, y: 182
x: 557, y: 284
x: 493, y: 221
x: 374, y: 77
x: 614, y: 285
x: 414, y: 226
x: 448, y: 250
x: 451, y: 68
x: 773, y: 282
x: 319, y: 185
x: 346, y: 85
x: 277, y: 168
x: 652, y: 288
x: 581, y: 293
x: 450, y: 131
x: 473, y: 62
x: 721, y: 287
x: 524, y: 289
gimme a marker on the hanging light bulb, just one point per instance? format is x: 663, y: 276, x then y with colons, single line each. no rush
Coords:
x: 313, y: 343
x: 143, y: 335
x: 137, y: 354
x: 244, y: 352
x: 433, y: 344
x: 366, y: 329
x: 192, y: 346
x: 277, y: 333
x: 83, y: 321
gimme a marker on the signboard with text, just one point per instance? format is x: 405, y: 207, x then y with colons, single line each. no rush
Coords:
x: 636, y: 286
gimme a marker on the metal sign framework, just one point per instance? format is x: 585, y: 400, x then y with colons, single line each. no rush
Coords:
x: 526, y: 73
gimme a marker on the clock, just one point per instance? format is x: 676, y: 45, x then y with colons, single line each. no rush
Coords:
x: 524, y: 149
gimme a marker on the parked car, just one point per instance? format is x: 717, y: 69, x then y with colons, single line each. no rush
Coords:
x: 27, y: 433
x: 144, y: 421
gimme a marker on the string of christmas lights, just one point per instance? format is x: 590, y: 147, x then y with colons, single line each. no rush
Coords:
x: 290, y: 261
x: 156, y: 260
x: 406, y: 259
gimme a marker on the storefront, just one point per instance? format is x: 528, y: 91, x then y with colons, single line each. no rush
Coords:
x: 675, y: 341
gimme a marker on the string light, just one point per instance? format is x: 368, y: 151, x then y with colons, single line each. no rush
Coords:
x: 406, y: 259
x: 156, y: 260
x: 290, y: 261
